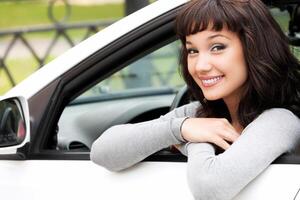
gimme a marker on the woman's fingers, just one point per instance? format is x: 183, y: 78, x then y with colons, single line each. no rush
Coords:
x: 226, y: 123
x: 229, y: 134
x: 226, y: 135
x: 208, y: 129
x: 221, y: 143
x: 227, y: 131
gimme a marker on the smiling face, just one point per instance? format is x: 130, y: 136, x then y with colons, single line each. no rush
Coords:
x: 216, y: 63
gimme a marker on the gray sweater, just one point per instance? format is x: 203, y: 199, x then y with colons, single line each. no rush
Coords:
x: 210, y: 176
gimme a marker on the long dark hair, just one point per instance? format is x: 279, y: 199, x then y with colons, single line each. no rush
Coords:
x: 273, y: 71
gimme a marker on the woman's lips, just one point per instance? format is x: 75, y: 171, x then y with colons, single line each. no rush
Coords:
x: 211, y: 80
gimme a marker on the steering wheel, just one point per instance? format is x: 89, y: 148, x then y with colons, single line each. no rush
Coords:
x: 182, y: 97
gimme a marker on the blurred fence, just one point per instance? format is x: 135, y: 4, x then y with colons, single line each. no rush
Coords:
x: 61, y: 32
x: 14, y: 43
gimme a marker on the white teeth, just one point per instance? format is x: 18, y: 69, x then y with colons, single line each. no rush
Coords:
x: 211, y: 81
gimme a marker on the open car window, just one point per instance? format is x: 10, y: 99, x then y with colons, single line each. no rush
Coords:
x: 155, y: 71
x: 143, y: 90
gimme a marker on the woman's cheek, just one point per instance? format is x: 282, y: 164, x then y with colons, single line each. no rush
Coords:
x: 191, y: 67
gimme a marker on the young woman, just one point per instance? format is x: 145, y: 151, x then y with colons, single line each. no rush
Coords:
x: 238, y: 66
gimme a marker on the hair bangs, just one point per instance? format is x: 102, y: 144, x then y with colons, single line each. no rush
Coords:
x: 206, y: 15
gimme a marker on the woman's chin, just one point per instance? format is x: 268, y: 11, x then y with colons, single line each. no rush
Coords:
x: 212, y: 98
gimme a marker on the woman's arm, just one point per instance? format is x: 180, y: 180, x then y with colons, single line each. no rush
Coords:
x: 223, y: 176
x: 122, y: 146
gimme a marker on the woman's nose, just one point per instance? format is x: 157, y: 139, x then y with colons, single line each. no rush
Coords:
x: 203, y: 64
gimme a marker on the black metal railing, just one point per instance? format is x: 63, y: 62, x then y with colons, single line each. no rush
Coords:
x: 15, y: 39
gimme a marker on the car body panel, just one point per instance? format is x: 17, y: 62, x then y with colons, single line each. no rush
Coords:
x: 79, y: 180
x: 147, y: 180
x: 278, y: 182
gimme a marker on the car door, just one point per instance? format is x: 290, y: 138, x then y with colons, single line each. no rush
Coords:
x: 66, y: 116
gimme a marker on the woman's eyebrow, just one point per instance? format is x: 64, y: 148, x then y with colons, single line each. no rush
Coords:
x: 217, y: 35
x: 188, y: 42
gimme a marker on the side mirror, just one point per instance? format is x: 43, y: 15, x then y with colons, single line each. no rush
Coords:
x: 14, y: 123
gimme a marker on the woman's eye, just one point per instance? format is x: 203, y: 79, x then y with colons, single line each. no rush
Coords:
x: 192, y: 51
x: 218, y: 47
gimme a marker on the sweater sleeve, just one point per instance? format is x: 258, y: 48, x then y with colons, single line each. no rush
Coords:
x: 122, y: 146
x: 223, y: 176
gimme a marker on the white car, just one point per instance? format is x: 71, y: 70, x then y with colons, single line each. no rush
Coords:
x: 126, y: 73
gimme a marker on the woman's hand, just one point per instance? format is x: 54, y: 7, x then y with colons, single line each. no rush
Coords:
x: 213, y: 130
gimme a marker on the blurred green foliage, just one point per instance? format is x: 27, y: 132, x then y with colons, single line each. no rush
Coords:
x: 26, y: 13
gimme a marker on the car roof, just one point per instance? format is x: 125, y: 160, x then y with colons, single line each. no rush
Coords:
x: 42, y: 77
